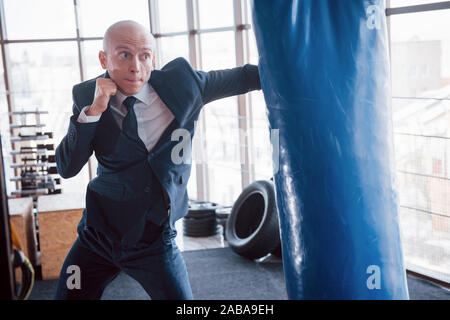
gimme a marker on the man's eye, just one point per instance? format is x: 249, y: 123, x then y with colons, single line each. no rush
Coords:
x: 146, y: 56
x: 124, y: 54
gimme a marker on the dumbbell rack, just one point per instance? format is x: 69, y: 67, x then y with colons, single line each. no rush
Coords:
x: 33, y: 157
x: 34, y: 165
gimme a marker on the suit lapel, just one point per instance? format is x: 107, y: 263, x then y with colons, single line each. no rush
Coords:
x: 161, y: 83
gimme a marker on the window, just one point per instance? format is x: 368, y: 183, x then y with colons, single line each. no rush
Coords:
x: 28, y: 24
x: 221, y: 123
x: 419, y: 52
x: 5, y: 135
x: 91, y: 63
x: 218, y: 50
x: 172, y: 16
x: 173, y: 47
x: 216, y: 13
x: 42, y: 77
x: 97, y: 16
x: 420, y: 65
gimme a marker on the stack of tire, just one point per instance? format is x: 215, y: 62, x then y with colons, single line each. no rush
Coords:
x: 201, y: 219
x: 222, y: 215
x: 252, y: 229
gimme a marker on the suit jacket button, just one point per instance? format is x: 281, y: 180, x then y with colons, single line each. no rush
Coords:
x: 71, y: 136
x: 147, y: 189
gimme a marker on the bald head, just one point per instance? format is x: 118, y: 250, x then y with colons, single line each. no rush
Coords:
x: 128, y: 55
x: 127, y: 29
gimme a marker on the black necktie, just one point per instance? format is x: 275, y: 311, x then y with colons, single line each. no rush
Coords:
x: 129, y: 124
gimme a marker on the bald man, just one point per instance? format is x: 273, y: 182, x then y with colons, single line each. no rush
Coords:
x: 132, y: 117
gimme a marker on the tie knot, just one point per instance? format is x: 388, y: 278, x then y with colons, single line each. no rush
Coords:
x: 129, y: 102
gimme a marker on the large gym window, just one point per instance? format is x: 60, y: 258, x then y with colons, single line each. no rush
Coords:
x: 420, y: 65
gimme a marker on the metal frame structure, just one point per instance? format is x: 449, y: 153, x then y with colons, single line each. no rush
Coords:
x: 417, y: 8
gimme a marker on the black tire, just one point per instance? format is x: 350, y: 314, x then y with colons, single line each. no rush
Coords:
x: 196, y: 221
x: 200, y: 214
x: 201, y: 209
x: 204, y: 233
x: 208, y: 230
x: 200, y: 218
x: 199, y: 225
x: 203, y: 224
x: 252, y: 229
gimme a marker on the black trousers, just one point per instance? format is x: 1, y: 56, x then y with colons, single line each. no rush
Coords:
x: 155, y: 262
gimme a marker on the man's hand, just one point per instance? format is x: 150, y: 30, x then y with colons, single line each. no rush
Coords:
x: 104, y: 89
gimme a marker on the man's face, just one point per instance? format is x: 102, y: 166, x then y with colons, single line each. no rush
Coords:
x: 129, y: 59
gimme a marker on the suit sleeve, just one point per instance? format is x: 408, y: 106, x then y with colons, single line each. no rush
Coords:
x: 76, y: 147
x: 219, y: 84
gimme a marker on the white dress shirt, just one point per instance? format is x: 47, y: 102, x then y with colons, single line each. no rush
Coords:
x: 152, y: 114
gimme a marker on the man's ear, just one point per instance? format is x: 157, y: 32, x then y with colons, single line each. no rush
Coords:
x: 102, y: 58
x: 153, y: 62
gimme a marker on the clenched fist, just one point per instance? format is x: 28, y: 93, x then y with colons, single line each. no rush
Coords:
x: 104, y: 89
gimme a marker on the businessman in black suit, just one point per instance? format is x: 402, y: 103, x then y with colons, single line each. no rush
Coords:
x: 127, y: 116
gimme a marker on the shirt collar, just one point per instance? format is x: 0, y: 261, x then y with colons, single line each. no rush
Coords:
x: 143, y: 95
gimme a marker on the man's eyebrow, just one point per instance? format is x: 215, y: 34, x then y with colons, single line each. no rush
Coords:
x: 122, y: 47
x: 128, y: 48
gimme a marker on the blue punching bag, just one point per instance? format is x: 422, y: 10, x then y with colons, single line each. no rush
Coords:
x: 324, y: 71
